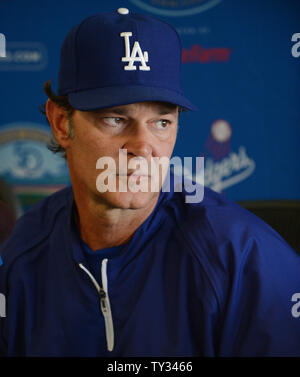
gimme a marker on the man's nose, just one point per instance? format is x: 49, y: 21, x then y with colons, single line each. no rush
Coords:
x: 139, y: 142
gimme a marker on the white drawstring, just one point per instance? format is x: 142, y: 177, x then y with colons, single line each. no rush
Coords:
x: 104, y: 302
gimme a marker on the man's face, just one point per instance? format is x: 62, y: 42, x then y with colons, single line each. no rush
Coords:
x: 146, y: 130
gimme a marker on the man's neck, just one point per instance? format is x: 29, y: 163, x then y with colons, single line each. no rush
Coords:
x: 101, y: 226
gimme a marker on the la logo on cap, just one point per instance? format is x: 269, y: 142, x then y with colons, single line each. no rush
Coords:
x: 136, y: 54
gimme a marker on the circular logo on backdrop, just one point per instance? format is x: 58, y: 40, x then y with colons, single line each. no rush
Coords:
x: 175, y: 8
x: 27, y: 165
x: 221, y: 131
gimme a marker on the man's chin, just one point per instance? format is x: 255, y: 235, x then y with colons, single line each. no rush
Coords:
x: 128, y: 200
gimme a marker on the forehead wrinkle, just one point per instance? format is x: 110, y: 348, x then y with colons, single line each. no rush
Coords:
x: 161, y: 108
x: 115, y: 110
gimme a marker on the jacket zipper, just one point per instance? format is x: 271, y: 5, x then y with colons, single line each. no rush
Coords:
x: 104, y: 302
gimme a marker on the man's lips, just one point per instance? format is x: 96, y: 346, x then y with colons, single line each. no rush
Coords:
x: 134, y: 174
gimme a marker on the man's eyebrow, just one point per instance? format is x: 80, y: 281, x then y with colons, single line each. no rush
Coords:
x: 165, y: 111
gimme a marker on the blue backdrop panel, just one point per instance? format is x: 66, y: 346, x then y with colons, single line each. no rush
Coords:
x: 238, y: 68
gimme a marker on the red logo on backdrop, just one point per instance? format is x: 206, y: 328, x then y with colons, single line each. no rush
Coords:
x: 199, y: 54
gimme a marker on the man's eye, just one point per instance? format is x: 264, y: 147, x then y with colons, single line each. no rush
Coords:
x: 113, y: 121
x: 162, y: 123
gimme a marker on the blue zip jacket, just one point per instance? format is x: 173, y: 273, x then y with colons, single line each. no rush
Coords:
x: 206, y: 279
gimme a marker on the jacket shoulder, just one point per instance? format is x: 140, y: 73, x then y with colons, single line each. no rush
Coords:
x: 218, y: 218
x: 36, y: 224
x: 226, y: 239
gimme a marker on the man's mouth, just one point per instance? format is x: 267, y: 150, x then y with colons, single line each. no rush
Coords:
x: 134, y: 174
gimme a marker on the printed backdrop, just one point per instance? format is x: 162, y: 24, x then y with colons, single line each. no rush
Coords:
x: 241, y: 67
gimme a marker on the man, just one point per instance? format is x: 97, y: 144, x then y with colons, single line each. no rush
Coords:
x: 126, y: 272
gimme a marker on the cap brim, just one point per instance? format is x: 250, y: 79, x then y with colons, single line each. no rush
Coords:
x: 101, y: 98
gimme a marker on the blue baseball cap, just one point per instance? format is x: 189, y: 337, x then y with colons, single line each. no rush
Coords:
x: 118, y: 58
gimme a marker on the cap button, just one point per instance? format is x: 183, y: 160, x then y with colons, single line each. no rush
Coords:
x: 123, y: 11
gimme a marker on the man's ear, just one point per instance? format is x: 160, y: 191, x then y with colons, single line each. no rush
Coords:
x: 59, y: 123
